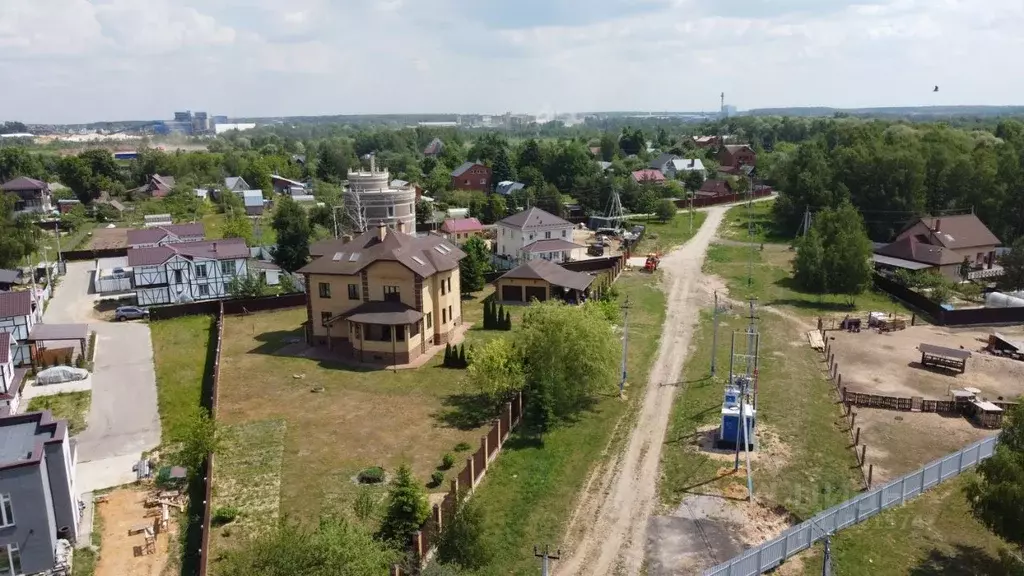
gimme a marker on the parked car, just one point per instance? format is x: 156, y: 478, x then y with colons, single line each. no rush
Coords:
x: 117, y: 272
x: 61, y: 374
x: 131, y: 313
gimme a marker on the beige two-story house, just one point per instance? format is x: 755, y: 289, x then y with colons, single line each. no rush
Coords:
x: 385, y: 296
x: 943, y: 244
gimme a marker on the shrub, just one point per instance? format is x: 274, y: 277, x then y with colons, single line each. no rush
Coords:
x: 448, y: 460
x: 224, y: 515
x: 462, y: 447
x: 462, y: 357
x: 365, y: 505
x: 436, y: 477
x: 372, y: 475
x: 79, y: 362
x: 447, y: 354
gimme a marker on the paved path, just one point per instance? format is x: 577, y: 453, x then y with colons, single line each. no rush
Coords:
x: 123, y: 420
x: 609, y: 528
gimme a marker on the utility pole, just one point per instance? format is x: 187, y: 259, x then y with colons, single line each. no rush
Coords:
x: 545, y: 557
x: 625, y: 344
x: 750, y: 229
x: 714, y: 336
x: 691, y: 212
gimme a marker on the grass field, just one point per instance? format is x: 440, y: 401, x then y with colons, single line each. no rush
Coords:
x: 662, y: 237
x: 247, y: 477
x: 180, y: 349
x: 932, y: 535
x: 213, y: 224
x: 735, y: 225
x: 803, y: 463
x: 70, y: 406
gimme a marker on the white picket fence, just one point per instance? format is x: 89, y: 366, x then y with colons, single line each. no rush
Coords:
x: 854, y: 511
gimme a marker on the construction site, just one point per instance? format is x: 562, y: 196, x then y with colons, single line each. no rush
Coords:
x: 138, y: 526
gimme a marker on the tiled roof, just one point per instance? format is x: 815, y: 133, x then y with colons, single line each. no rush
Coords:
x: 157, y: 233
x: 456, y: 225
x: 17, y: 303
x: 506, y: 187
x: 649, y: 175
x: 533, y: 218
x: 424, y: 255
x: 551, y: 273
x: 662, y: 159
x: 166, y: 181
x: 715, y: 188
x: 687, y: 164
x: 23, y: 183
x: 910, y: 249
x: 960, y: 231
x: 223, y: 249
x: 231, y: 181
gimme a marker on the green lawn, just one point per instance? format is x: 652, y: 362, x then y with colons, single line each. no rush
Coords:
x: 70, y: 406
x: 180, y: 348
x: 247, y: 476
x: 529, y: 492
x: 735, y: 224
x: 803, y: 464
x: 663, y: 236
x: 213, y: 223
x: 932, y: 535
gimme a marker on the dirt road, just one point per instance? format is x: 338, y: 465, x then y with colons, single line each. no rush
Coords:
x: 607, y: 531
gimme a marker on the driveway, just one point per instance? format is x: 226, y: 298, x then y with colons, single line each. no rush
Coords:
x: 123, y: 420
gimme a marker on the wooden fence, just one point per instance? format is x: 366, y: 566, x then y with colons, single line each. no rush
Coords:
x: 704, y: 201
x: 210, y: 397
x: 233, y: 306
x: 942, y: 317
x: 466, y: 481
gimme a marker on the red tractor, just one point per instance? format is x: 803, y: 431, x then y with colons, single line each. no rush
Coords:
x: 652, y: 262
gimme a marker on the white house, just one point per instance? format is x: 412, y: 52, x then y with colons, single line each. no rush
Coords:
x: 19, y: 312
x: 167, y: 234
x: 680, y: 166
x: 533, y: 234
x: 9, y: 393
x: 185, y: 272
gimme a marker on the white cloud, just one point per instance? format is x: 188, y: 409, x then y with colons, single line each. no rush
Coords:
x: 144, y: 58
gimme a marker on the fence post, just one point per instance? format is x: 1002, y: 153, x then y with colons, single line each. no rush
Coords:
x: 472, y: 472
x: 922, y: 481
x: 843, y: 396
x: 960, y: 462
x: 519, y: 400
x: 839, y: 381
x: 853, y: 418
x: 871, y: 472
x: 483, y: 444
x: 863, y: 453
x: 856, y: 437
x: 437, y: 517
x: 455, y: 487
x: 760, y: 567
x: 511, y: 424
x: 903, y: 489
x: 498, y: 424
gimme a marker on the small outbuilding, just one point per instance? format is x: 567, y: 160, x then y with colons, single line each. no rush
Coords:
x: 942, y: 357
x: 986, y: 414
x: 543, y: 280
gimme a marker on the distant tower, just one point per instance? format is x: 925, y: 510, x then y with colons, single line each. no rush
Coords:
x: 722, y: 108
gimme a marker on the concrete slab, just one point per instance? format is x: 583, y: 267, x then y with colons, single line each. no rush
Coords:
x: 105, y: 473
x: 32, y: 390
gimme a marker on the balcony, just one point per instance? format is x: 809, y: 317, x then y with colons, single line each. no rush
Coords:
x: 983, y: 273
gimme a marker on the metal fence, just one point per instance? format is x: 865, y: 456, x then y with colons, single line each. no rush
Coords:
x: 854, y: 511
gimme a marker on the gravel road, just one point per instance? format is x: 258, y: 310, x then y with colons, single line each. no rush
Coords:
x: 608, y: 529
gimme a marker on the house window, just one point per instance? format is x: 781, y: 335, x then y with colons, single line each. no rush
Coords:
x: 467, y: 182
x: 414, y: 329
x: 450, y: 317
x: 449, y: 283
x: 547, y: 235
x: 325, y: 317
x: 443, y: 290
x: 325, y: 290
x: 204, y: 290
x: 444, y: 315
x: 227, y: 288
x: 177, y: 276
x: 10, y: 560
x: 563, y: 233
x: 6, y: 512
x: 391, y: 294
x: 399, y: 333
x: 353, y: 292
x: 430, y: 320
x: 531, y: 236
x: 227, y: 267
x: 483, y: 181
x: 200, y: 270
x: 391, y: 211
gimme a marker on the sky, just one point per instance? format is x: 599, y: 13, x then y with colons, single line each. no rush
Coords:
x: 74, y: 61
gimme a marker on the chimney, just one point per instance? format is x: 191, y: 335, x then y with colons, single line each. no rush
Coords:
x: 938, y: 224
x: 382, y: 231
x: 693, y: 162
x: 400, y: 226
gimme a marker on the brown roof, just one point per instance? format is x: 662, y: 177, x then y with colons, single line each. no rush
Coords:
x: 532, y: 218
x: 157, y: 233
x: 715, y: 188
x: 43, y: 332
x: 23, y: 183
x: 424, y: 255
x: 17, y: 303
x: 456, y: 225
x: 910, y: 249
x: 551, y: 273
x: 552, y: 245
x: 383, y: 312
x: 960, y: 231
x: 223, y: 249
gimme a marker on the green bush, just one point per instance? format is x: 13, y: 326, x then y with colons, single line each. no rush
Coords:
x: 372, y: 475
x: 447, y: 461
x: 224, y: 515
x: 436, y: 477
x: 462, y: 447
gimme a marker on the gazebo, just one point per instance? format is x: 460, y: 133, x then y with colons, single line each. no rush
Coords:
x: 42, y: 333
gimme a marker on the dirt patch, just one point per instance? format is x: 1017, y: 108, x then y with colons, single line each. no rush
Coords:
x: 122, y: 554
x: 106, y: 238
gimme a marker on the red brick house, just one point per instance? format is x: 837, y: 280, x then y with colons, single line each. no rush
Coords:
x: 736, y: 155
x: 472, y: 176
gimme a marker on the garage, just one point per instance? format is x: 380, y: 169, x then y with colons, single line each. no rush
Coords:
x: 512, y: 293
x: 536, y: 292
